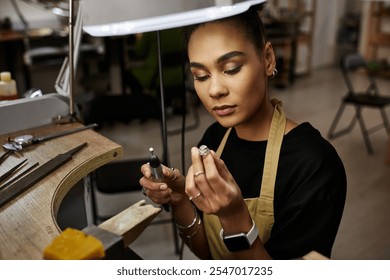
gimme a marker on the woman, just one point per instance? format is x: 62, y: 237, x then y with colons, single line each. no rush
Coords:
x: 274, y: 189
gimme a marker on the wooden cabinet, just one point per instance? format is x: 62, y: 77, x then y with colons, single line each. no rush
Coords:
x: 306, y: 10
x: 377, y: 39
x: 378, y: 36
x: 290, y: 28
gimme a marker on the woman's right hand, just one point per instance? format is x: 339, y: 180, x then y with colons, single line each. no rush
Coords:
x: 170, y: 191
x: 213, y: 187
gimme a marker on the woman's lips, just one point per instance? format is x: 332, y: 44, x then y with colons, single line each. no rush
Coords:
x: 223, y: 110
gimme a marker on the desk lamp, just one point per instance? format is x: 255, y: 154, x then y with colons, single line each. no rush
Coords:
x: 103, y: 18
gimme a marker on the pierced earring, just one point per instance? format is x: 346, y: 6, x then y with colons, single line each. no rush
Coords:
x: 274, y: 73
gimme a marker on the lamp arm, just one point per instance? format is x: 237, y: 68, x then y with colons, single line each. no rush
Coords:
x: 71, y: 59
x: 64, y: 84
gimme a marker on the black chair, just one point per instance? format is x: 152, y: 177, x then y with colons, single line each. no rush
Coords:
x: 369, y: 97
x: 118, y: 177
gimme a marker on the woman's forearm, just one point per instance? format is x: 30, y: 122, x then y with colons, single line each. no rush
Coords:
x: 191, y: 229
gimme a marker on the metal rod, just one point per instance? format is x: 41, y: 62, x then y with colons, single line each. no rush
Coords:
x: 62, y: 133
x: 70, y: 61
x: 163, y: 114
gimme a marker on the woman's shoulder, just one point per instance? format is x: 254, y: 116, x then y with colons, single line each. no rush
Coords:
x: 308, y: 142
x: 304, y: 132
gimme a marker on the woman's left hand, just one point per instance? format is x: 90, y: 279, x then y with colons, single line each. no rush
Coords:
x: 170, y: 191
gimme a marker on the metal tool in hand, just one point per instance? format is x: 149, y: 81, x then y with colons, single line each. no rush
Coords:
x: 157, y: 172
x: 21, y: 141
x: 39, y: 173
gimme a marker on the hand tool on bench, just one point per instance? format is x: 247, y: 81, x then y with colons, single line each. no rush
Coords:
x: 17, y: 143
x: 11, y: 170
x: 12, y: 191
x: 4, y: 155
x: 18, y: 176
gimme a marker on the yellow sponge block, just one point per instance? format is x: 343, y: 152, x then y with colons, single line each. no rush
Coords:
x: 74, y: 244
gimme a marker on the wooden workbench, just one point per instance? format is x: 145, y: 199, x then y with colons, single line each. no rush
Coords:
x: 28, y: 223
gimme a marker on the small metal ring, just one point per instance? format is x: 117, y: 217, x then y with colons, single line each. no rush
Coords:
x: 198, y: 173
x: 144, y: 191
x: 203, y: 150
x: 196, y: 196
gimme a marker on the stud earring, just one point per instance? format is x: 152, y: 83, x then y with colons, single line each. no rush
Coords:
x: 274, y: 73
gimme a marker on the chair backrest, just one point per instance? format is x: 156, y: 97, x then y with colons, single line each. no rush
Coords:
x: 352, y: 63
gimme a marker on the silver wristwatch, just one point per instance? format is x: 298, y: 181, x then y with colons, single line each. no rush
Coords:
x: 240, y: 241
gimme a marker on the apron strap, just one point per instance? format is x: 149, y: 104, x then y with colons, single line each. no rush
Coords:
x: 275, y: 139
x: 223, y: 142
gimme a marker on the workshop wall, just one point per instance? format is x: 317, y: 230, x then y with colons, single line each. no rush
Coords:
x: 35, y: 15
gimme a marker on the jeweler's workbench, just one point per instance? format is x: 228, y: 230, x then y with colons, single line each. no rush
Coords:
x: 28, y: 222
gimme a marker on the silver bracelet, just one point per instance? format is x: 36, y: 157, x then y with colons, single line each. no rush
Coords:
x: 181, y: 227
x: 189, y: 237
x: 196, y: 231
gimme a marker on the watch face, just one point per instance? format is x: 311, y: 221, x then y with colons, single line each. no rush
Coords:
x: 238, y: 242
x: 23, y: 139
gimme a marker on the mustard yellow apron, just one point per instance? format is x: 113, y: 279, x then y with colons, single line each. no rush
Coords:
x: 261, y: 209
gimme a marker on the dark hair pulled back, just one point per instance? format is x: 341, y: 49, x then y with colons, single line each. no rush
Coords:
x: 249, y: 22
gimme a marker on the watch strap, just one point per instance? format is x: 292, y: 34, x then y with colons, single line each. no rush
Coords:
x: 251, y: 235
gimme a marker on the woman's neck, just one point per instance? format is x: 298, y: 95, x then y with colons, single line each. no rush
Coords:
x: 257, y: 128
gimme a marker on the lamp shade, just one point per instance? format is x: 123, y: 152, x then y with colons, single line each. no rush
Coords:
x: 122, y: 17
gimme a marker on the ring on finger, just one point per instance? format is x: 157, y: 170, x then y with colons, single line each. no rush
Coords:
x: 196, y: 196
x: 204, y: 150
x: 198, y: 173
x: 144, y: 191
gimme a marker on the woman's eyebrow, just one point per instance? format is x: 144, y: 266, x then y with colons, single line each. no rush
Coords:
x: 228, y: 56
x: 219, y: 60
x: 196, y: 65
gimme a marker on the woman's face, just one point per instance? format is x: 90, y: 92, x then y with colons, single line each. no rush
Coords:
x: 229, y: 76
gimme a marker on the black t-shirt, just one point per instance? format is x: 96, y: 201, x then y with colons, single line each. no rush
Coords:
x: 310, y: 187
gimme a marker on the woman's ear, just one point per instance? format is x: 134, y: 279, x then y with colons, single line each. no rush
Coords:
x: 269, y: 59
